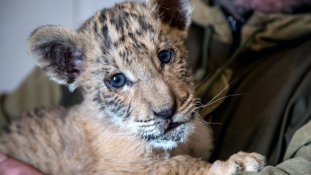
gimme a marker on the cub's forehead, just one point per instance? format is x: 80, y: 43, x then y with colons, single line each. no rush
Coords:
x: 125, y: 19
x: 124, y: 32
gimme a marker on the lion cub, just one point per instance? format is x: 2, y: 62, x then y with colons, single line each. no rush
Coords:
x: 139, y: 111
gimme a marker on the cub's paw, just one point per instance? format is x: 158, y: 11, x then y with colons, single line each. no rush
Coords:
x: 241, y: 161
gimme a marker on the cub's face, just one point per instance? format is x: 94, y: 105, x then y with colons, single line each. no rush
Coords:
x: 130, y: 63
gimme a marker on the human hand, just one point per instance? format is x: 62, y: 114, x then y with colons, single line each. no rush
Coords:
x: 9, y: 166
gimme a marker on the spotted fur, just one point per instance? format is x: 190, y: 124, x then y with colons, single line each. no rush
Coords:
x: 126, y: 130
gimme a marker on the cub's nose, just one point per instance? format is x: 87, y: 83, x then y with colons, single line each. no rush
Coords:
x: 166, y: 113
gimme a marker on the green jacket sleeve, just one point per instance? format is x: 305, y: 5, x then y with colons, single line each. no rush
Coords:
x: 297, y: 159
x: 3, y: 119
x: 295, y: 166
x: 35, y: 91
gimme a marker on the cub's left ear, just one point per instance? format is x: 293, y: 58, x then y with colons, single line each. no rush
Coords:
x: 176, y: 13
x: 55, y: 50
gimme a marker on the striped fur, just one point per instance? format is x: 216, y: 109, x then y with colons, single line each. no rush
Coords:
x: 118, y: 130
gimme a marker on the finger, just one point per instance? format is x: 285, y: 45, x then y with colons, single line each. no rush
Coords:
x: 3, y: 157
x: 9, y: 166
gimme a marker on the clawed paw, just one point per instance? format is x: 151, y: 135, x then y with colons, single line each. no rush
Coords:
x: 241, y: 161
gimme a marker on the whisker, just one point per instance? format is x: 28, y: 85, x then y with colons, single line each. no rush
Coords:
x: 210, y: 103
x: 222, y: 91
x: 204, y: 122
x: 202, y: 81
x: 212, y: 123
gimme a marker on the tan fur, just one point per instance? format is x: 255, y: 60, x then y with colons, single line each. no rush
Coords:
x: 120, y: 130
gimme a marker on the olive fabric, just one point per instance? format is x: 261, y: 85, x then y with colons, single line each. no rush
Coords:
x: 35, y: 91
x: 300, y: 144
x: 263, y: 105
x: 4, y: 120
x: 295, y: 166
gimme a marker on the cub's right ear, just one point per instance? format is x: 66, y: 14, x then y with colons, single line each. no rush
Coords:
x: 55, y: 49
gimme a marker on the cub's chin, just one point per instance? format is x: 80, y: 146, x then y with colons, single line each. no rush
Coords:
x: 172, y: 136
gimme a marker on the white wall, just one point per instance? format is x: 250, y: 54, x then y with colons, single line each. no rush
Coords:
x: 18, y: 18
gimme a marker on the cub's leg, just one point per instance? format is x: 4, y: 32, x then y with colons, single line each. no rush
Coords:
x: 185, y: 165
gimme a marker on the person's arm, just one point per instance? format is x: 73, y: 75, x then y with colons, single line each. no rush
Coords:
x: 295, y: 166
x: 297, y: 157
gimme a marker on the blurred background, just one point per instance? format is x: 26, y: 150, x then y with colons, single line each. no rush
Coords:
x: 18, y: 18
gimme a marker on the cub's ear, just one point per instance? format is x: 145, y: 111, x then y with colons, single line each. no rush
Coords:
x: 55, y: 50
x: 176, y: 13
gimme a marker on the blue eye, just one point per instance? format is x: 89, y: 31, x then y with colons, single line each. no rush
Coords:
x: 165, y: 56
x: 117, y: 80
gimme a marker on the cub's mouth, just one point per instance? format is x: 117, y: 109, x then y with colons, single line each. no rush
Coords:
x: 169, y: 132
x: 172, y: 125
x: 175, y: 132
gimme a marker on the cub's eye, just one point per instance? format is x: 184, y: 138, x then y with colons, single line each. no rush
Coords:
x: 117, y: 80
x: 165, y: 56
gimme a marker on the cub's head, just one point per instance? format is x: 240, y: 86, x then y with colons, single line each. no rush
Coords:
x: 130, y: 63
